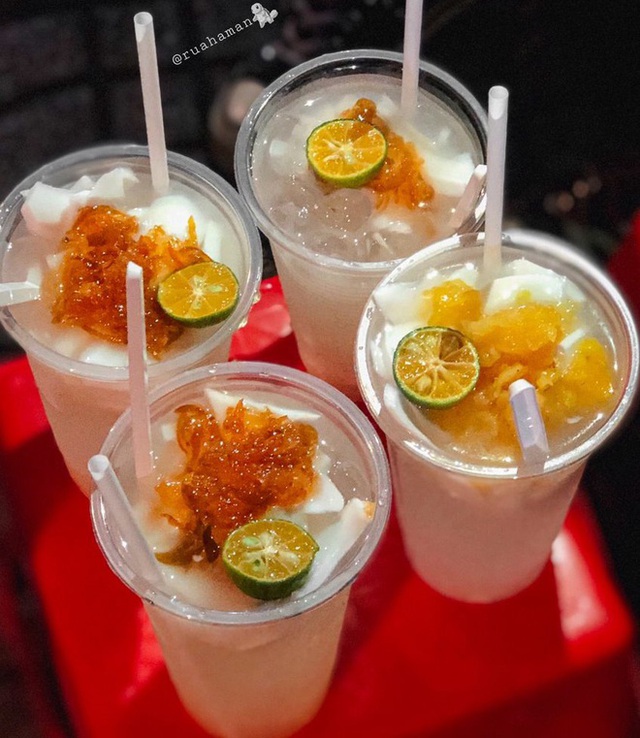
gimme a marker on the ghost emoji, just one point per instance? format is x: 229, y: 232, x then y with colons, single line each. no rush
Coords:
x: 262, y: 15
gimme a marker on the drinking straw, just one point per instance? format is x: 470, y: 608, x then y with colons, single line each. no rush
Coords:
x: 532, y: 434
x: 119, y: 506
x: 469, y: 196
x: 11, y: 293
x: 496, y: 149
x: 138, y: 380
x: 411, y: 57
x: 148, y: 63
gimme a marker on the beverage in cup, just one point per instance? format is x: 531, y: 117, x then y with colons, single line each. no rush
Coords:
x: 439, y: 345
x: 270, y: 493
x: 70, y: 228
x: 338, y: 223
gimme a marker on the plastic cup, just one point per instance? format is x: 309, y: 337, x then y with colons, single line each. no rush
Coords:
x: 264, y: 672
x: 325, y: 294
x: 82, y: 400
x: 483, y: 532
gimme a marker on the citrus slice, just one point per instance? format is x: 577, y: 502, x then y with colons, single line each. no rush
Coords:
x: 435, y: 366
x: 199, y: 295
x: 269, y: 559
x: 346, y: 152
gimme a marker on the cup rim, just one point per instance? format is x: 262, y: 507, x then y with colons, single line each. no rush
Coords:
x: 201, y: 173
x: 535, y: 242
x: 331, y: 398
x: 243, y: 158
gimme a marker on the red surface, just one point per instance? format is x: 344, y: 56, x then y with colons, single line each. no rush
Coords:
x: 624, y: 265
x: 551, y: 662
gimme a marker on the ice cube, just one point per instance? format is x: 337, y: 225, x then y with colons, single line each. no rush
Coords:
x: 301, y: 189
x: 347, y: 210
x: 382, y: 222
x: 288, y: 156
x: 541, y: 288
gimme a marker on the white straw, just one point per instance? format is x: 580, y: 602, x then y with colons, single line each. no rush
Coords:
x: 119, y: 506
x: 496, y: 150
x: 411, y: 57
x: 138, y: 381
x: 532, y: 434
x: 469, y: 197
x: 12, y: 293
x: 148, y: 62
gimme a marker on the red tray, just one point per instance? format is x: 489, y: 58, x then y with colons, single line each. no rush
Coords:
x: 551, y: 662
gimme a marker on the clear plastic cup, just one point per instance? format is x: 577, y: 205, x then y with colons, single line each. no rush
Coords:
x: 481, y: 532
x: 82, y: 400
x: 262, y: 672
x: 326, y: 294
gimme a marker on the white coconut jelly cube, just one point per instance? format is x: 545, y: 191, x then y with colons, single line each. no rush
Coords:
x: 112, y: 185
x: 172, y: 213
x: 220, y: 402
x: 49, y: 211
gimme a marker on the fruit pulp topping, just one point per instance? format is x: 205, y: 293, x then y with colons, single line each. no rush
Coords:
x: 235, y: 470
x: 89, y: 286
x: 519, y: 342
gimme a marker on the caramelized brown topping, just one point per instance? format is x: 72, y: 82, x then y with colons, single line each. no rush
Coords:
x: 89, y: 287
x: 234, y: 472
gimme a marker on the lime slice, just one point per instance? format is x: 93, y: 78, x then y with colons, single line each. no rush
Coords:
x: 269, y: 559
x: 345, y: 152
x: 199, y: 295
x: 435, y: 366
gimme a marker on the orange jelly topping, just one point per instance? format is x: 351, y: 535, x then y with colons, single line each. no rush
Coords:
x: 237, y: 469
x: 519, y: 342
x: 89, y: 287
x: 400, y: 179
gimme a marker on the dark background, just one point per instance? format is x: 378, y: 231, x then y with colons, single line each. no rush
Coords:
x: 69, y: 78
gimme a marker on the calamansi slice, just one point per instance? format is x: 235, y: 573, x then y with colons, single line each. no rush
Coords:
x: 199, y: 295
x: 435, y: 367
x: 346, y: 152
x: 269, y: 559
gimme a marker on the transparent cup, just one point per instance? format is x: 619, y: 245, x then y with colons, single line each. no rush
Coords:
x: 482, y: 532
x: 325, y: 294
x: 261, y: 672
x: 82, y: 400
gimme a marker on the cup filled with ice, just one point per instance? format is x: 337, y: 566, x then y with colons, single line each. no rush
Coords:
x: 345, y: 185
x: 441, y: 345
x: 69, y: 230
x: 270, y: 493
